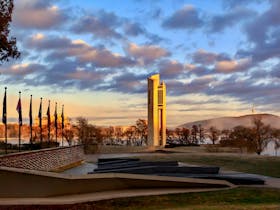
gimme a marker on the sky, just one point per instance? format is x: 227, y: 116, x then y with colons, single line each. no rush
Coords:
x: 217, y: 58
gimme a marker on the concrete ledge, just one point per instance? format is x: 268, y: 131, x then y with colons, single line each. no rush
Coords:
x: 23, y: 183
x: 97, y: 196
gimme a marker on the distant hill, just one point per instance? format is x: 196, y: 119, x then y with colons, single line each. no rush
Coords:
x: 230, y: 122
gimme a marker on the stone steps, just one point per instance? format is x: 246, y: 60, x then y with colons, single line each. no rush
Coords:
x: 169, y: 168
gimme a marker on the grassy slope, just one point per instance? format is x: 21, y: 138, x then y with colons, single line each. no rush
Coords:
x: 268, y: 166
x: 265, y: 165
x: 238, y: 198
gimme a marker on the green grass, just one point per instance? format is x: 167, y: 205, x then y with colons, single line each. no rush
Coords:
x: 265, y: 165
x: 237, y: 198
x: 234, y: 197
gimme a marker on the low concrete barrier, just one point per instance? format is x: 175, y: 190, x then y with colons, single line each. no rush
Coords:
x: 52, y: 159
x: 22, y: 183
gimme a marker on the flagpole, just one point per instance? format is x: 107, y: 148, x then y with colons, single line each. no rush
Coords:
x: 4, y: 119
x: 19, y: 122
x: 6, y: 139
x: 62, y: 123
x: 49, y: 126
x: 55, y: 122
x: 40, y: 122
x: 30, y: 120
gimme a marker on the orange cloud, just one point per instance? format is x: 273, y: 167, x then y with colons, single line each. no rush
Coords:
x: 27, y: 15
x: 146, y: 53
x: 233, y: 65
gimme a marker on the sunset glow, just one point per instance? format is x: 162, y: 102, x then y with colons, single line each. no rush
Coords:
x: 217, y: 58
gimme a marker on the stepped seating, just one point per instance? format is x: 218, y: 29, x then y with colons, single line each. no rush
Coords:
x: 169, y: 168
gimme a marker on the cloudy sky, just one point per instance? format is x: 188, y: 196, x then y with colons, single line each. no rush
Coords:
x: 217, y: 57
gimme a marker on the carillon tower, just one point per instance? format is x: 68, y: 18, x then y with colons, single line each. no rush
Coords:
x: 156, y: 111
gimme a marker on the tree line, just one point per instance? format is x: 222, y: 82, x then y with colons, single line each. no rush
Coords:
x: 135, y: 135
x: 253, y: 139
x: 249, y: 138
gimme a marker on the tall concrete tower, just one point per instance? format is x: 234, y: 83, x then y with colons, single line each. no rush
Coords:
x: 156, y: 111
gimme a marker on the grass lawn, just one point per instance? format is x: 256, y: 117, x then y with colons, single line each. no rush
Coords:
x: 245, y: 198
x: 237, y: 198
x: 265, y: 165
x: 268, y: 166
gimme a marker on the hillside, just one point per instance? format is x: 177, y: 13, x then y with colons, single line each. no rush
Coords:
x: 230, y: 122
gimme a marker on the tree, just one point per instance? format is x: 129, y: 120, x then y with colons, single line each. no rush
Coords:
x: 213, y: 134
x: 87, y: 133
x: 240, y: 137
x: 194, y: 132
x: 142, y: 130
x: 201, y: 133
x: 262, y: 135
x: 110, y: 133
x: 82, y: 128
x: 255, y: 138
x: 225, y: 134
x: 130, y: 134
x: 118, y: 133
x: 183, y: 135
x: 69, y: 135
x: 170, y: 135
x: 276, y: 139
x: 8, y: 48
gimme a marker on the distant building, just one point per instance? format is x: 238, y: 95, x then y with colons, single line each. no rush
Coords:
x: 156, y: 111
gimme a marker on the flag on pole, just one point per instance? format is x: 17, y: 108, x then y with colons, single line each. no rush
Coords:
x: 40, y: 114
x: 55, y: 116
x: 49, y: 116
x: 19, y: 112
x: 30, y: 112
x: 62, y: 117
x: 4, y: 116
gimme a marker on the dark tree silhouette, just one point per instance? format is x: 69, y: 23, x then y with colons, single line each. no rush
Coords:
x: 8, y: 48
x: 254, y: 139
x: 262, y: 135
x: 142, y: 130
x: 276, y: 139
x: 201, y: 133
x: 213, y: 134
x: 194, y: 132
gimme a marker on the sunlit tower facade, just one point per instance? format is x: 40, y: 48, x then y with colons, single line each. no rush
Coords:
x: 156, y: 111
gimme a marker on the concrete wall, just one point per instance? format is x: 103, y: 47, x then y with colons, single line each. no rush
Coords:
x: 52, y: 159
x: 23, y: 183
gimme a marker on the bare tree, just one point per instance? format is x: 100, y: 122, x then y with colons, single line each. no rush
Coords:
x: 69, y: 135
x: 142, y: 130
x: 201, y: 133
x: 82, y: 130
x: 130, y: 134
x: 183, y: 135
x: 254, y: 139
x: 110, y: 133
x: 213, y: 134
x: 240, y: 137
x: 262, y: 135
x: 276, y: 139
x: 194, y: 132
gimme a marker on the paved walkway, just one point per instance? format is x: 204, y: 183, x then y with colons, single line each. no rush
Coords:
x: 82, y: 198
